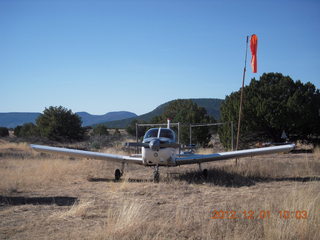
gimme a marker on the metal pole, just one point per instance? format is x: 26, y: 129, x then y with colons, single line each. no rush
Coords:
x: 190, y: 134
x: 232, y: 136
x: 137, y: 138
x: 179, y: 138
x: 241, y: 96
x: 179, y: 132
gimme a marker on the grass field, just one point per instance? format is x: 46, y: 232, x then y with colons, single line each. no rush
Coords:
x: 54, y: 197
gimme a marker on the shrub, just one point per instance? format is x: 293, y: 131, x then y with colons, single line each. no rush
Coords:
x: 26, y: 130
x: 100, y: 130
x: 4, y: 132
x: 60, y: 124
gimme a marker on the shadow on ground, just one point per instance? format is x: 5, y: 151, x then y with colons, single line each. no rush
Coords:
x: 291, y: 179
x: 60, y: 201
x: 93, y: 179
x: 96, y: 179
x: 217, y: 177
x: 223, y: 178
x: 296, y: 151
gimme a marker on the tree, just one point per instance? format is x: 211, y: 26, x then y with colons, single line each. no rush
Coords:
x: 117, y: 133
x: 60, y: 124
x: 187, y: 112
x: 26, y: 130
x: 131, y: 129
x: 17, y: 130
x: 273, y: 104
x: 100, y: 130
x: 4, y: 132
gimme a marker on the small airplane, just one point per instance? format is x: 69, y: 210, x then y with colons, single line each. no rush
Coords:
x: 160, y: 148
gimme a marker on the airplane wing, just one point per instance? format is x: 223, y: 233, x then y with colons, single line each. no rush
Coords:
x: 197, y: 158
x: 88, y: 154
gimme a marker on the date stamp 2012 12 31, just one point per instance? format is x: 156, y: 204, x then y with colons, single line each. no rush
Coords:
x: 260, y: 214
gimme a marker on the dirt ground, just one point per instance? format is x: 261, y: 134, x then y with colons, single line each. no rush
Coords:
x: 51, y: 197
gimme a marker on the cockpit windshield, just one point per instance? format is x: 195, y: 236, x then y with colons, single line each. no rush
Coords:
x: 164, y: 133
x: 151, y: 133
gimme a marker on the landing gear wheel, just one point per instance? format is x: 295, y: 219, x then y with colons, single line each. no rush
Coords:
x: 205, y: 173
x: 117, y: 175
x: 156, y: 176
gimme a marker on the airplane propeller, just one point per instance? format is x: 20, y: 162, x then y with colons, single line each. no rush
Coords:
x: 154, y: 145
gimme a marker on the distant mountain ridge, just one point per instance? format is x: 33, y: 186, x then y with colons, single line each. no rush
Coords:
x: 13, y: 119
x: 212, y: 105
x: 119, y: 119
x: 89, y: 119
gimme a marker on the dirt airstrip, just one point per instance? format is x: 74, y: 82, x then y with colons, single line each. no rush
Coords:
x: 53, y: 197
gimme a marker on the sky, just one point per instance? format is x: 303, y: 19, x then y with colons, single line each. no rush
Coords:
x: 101, y: 56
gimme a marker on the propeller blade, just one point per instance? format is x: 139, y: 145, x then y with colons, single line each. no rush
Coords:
x: 146, y: 145
x: 169, y: 145
x: 136, y: 144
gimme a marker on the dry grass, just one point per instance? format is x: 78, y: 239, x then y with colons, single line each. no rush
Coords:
x: 80, y: 209
x: 24, y: 170
x: 137, y: 220
x: 316, y: 153
x: 179, y: 207
x: 29, y: 174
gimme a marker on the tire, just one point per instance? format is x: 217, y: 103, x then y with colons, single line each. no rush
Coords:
x: 205, y: 173
x: 156, y: 177
x: 117, y: 175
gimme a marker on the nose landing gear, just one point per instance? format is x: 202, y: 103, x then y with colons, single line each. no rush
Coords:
x: 156, y: 174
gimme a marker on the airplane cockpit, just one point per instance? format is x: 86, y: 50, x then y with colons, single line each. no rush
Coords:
x: 164, y: 135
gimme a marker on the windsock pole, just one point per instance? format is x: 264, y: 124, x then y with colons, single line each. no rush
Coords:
x: 241, y: 95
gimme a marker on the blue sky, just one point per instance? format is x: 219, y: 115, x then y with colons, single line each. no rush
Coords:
x: 101, y: 56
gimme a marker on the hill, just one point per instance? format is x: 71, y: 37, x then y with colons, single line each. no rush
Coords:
x: 119, y: 119
x: 212, y: 105
x: 88, y: 119
x: 13, y: 119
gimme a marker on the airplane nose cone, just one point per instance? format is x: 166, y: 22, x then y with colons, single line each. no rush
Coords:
x: 154, y: 145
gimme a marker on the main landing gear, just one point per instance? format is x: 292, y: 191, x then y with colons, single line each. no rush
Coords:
x: 204, y: 172
x: 118, y: 173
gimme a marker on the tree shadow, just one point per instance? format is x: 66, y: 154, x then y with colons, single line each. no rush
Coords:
x: 57, y: 200
x: 223, y: 178
x: 217, y: 177
x: 297, y: 151
x: 290, y: 179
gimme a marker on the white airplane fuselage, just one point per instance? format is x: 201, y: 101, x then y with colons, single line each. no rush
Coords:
x: 162, y: 157
x: 160, y: 150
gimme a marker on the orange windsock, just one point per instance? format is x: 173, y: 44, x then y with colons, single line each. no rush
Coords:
x: 253, y: 47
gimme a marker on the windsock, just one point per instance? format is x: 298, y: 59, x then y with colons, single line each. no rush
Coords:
x: 253, y: 47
